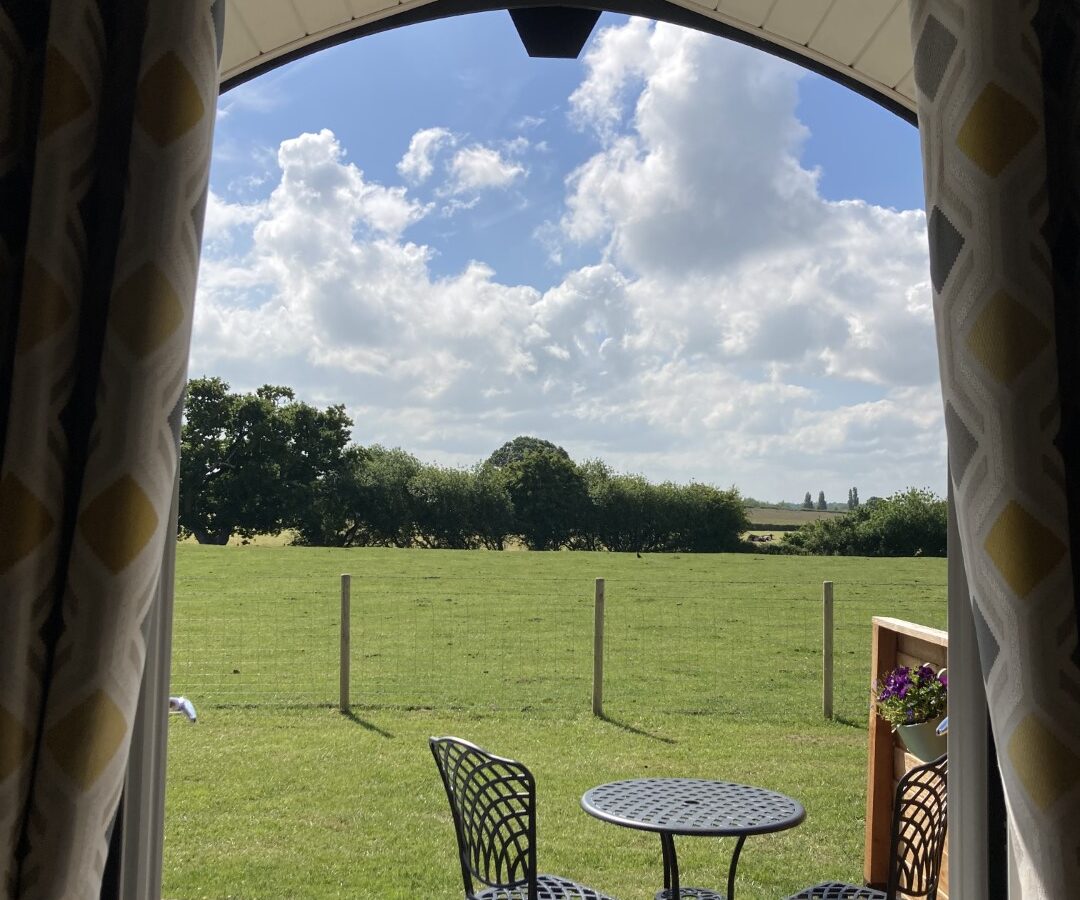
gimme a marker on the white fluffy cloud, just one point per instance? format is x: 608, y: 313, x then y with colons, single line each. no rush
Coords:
x: 419, y: 160
x: 478, y: 168
x: 733, y: 325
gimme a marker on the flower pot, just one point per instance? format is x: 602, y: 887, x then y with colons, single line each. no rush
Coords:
x: 922, y: 740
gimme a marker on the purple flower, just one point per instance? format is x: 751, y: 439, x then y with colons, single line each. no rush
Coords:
x: 907, y: 695
x: 944, y: 679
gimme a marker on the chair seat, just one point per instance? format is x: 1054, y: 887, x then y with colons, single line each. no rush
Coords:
x: 837, y: 890
x: 548, y: 887
x: 691, y: 892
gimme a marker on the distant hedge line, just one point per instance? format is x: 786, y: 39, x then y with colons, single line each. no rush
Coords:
x: 909, y: 523
x: 263, y: 462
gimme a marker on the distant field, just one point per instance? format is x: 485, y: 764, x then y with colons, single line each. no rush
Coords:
x: 713, y: 669
x: 764, y: 515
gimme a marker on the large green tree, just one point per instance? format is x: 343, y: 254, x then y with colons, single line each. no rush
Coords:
x: 249, y: 463
x: 549, y: 498
x: 333, y: 515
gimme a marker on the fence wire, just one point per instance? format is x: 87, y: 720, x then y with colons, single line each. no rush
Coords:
x: 446, y: 638
x: 270, y: 639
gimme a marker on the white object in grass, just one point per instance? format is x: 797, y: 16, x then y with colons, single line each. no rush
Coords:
x: 182, y: 705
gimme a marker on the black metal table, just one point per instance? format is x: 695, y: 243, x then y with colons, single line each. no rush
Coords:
x: 692, y: 806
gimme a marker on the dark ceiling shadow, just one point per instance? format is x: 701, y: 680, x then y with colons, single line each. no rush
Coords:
x: 635, y: 730
x: 366, y: 725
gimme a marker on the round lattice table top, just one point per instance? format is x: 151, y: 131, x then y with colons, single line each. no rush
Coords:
x: 692, y: 806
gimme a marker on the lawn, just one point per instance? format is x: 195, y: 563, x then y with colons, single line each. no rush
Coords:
x: 712, y: 670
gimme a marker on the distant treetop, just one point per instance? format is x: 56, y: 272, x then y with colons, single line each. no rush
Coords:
x: 519, y: 448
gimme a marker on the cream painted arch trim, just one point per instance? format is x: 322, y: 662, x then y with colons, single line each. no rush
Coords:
x: 865, y: 44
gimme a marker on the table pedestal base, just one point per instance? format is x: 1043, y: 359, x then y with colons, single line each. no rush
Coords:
x: 695, y: 893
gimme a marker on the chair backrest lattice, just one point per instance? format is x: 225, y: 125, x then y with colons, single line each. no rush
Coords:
x: 493, y: 802
x: 920, y: 820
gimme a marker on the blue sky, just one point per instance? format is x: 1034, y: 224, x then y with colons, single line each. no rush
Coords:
x: 677, y: 254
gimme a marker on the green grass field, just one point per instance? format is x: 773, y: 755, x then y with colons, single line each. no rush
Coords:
x: 767, y: 515
x: 712, y: 669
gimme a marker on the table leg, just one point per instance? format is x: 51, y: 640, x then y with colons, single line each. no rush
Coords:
x: 731, y: 868
x: 671, y: 865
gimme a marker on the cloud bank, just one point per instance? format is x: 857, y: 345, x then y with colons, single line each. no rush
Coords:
x: 733, y: 326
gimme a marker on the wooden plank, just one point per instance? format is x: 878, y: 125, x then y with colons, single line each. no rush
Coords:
x: 906, y: 659
x: 879, y: 777
x: 900, y: 626
x: 922, y: 650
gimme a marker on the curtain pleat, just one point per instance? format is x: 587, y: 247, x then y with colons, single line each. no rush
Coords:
x: 1002, y: 258
x: 97, y: 271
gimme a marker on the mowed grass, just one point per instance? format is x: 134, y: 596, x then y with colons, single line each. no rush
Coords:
x: 713, y: 670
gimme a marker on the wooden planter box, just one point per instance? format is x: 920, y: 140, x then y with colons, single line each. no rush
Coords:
x: 894, y: 643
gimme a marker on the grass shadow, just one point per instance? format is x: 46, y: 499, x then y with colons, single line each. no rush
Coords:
x: 366, y: 725
x: 635, y: 730
x: 851, y: 723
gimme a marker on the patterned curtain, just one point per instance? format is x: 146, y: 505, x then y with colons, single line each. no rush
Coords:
x: 106, y: 117
x: 999, y: 97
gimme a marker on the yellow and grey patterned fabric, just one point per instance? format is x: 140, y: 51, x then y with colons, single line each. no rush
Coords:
x: 106, y: 118
x: 995, y: 171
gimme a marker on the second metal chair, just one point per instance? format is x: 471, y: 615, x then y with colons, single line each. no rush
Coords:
x: 920, y: 818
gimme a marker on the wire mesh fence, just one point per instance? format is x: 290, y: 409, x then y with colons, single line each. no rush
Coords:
x: 270, y: 639
x: 693, y: 638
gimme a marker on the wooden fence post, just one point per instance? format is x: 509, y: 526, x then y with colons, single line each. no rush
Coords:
x: 827, y: 649
x: 343, y: 666
x: 598, y: 650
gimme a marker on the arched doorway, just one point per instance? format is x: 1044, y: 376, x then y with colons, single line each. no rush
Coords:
x: 875, y: 47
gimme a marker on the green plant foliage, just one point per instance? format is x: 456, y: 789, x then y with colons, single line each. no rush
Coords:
x: 249, y: 462
x: 388, y: 515
x: 628, y: 513
x: 264, y: 462
x: 460, y: 509
x: 519, y: 448
x: 909, y: 696
x: 333, y: 515
x: 909, y: 523
x: 549, y: 498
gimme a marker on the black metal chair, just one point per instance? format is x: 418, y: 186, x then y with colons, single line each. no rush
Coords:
x: 493, y: 802
x: 920, y: 817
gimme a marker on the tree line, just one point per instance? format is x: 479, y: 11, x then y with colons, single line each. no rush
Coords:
x: 909, y: 523
x: 264, y: 462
